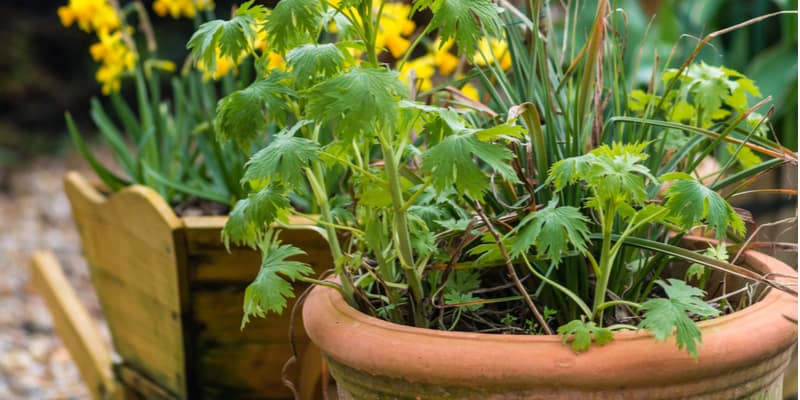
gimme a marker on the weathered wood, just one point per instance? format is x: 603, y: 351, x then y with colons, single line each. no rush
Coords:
x: 129, y: 242
x: 246, y: 363
x: 74, y: 326
x: 172, y: 281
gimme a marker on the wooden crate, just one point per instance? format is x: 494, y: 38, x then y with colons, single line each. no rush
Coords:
x: 172, y: 296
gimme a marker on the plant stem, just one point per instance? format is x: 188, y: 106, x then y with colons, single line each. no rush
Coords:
x: 401, y: 227
x: 606, y: 261
x: 316, y: 179
x: 522, y: 291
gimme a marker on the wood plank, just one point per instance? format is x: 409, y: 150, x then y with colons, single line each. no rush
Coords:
x: 129, y: 242
x: 74, y: 326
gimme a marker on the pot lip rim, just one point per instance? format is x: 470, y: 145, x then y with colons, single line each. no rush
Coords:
x: 337, y: 302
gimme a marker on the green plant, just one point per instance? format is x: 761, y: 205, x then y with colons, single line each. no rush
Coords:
x: 164, y: 139
x: 560, y: 199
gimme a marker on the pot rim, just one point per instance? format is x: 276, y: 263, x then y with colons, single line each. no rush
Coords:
x: 757, y: 333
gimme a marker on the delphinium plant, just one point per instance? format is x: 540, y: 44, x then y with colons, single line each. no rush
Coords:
x: 552, y: 204
x: 160, y: 129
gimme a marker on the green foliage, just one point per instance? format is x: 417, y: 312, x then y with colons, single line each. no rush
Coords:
x: 663, y: 316
x: 233, y: 38
x: 551, y: 230
x: 583, y: 333
x: 271, y: 288
x: 362, y: 100
x: 254, y: 214
x: 691, y: 202
x: 243, y: 115
x: 312, y: 62
x: 463, y: 20
x: 459, y: 287
x: 452, y: 167
x: 293, y: 22
x: 284, y: 159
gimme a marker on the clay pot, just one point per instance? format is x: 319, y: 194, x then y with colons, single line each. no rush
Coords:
x: 743, y: 355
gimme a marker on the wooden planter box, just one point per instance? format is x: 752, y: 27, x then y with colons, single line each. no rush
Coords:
x: 172, y: 295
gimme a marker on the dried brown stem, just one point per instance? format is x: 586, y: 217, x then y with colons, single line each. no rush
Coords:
x: 511, y: 271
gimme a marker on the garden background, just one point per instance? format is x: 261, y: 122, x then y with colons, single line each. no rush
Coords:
x: 46, y: 69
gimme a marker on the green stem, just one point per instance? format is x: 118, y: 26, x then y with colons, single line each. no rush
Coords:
x: 401, y: 227
x: 618, y: 303
x: 316, y: 178
x: 606, y: 262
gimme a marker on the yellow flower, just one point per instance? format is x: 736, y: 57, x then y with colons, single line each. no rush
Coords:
x: 393, y: 28
x: 493, y: 49
x: 224, y: 66
x: 116, y: 59
x: 444, y: 60
x: 276, y: 61
x: 181, y: 8
x: 91, y: 15
x: 424, y: 68
x: 470, y: 91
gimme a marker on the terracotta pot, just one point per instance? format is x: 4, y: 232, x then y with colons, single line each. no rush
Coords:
x: 743, y: 355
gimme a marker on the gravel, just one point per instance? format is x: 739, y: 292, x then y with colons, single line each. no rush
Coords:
x: 34, y: 215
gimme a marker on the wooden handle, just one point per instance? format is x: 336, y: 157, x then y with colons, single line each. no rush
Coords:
x: 74, y: 325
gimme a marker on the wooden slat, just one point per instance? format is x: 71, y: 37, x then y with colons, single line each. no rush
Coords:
x: 74, y: 325
x: 129, y: 242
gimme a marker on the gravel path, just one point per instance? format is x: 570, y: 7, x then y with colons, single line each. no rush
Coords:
x: 35, y: 214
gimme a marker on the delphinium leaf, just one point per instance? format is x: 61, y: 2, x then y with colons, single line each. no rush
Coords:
x: 613, y: 172
x: 293, y: 22
x: 271, y: 289
x: 662, y: 317
x: 459, y: 287
x: 283, y: 159
x: 361, y: 100
x: 311, y: 62
x: 551, y: 230
x: 243, y: 115
x: 690, y: 202
x: 451, y: 164
x: 583, y: 333
x: 462, y: 20
x: 251, y: 216
x: 232, y: 38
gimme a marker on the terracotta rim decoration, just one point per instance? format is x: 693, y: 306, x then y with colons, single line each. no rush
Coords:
x: 743, y: 354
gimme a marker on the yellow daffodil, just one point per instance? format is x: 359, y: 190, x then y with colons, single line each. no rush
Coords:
x: 393, y: 28
x: 423, y: 67
x: 90, y: 15
x: 116, y: 59
x: 492, y: 49
x: 181, y: 8
x: 224, y: 66
x: 444, y: 60
x: 470, y: 91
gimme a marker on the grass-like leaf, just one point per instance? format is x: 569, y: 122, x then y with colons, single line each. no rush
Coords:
x: 662, y: 317
x: 271, y: 289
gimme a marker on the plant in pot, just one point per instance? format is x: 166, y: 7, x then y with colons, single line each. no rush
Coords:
x: 534, y: 246
x: 151, y: 229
